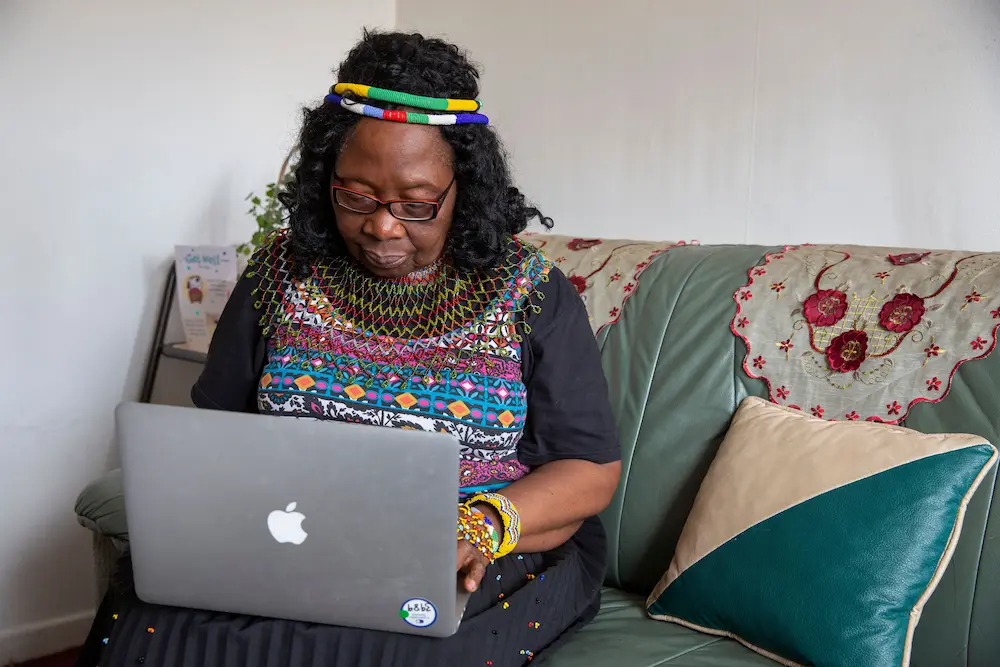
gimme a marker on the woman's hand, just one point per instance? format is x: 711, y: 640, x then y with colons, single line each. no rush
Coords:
x: 472, y: 563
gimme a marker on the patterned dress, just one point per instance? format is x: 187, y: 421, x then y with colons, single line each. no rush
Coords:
x: 503, y: 358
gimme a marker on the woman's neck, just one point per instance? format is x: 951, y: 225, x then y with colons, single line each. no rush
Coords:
x: 424, y: 275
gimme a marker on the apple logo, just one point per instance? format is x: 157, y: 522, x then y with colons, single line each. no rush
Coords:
x: 286, y: 526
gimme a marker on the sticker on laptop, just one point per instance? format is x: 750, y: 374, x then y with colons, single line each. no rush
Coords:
x: 418, y: 612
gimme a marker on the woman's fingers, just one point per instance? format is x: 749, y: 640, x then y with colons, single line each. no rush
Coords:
x: 473, y: 564
x: 465, y: 553
x: 474, y: 574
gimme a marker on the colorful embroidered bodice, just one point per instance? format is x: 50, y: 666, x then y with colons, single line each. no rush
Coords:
x: 439, y: 350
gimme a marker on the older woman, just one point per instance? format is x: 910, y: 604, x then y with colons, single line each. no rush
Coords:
x: 400, y: 297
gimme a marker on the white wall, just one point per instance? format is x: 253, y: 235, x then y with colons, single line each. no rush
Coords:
x: 768, y: 121
x: 125, y: 127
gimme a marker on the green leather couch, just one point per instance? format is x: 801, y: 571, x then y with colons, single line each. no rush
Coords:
x: 676, y: 375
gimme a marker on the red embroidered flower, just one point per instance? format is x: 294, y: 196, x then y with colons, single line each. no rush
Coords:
x: 785, y: 345
x: 825, y: 308
x: 853, y: 416
x: 974, y: 297
x: 614, y: 312
x: 934, y: 384
x: 560, y: 260
x: 979, y: 343
x: 745, y: 295
x: 893, y: 408
x: 778, y: 287
x: 743, y: 323
x: 782, y: 392
x: 908, y: 258
x: 759, y: 362
x: 817, y: 411
x: 583, y: 244
x: 847, y: 351
x: 932, y: 351
x: 579, y: 282
x: 759, y: 271
x: 995, y: 314
x: 882, y: 275
x: 902, y: 313
x: 617, y: 276
x: 628, y: 288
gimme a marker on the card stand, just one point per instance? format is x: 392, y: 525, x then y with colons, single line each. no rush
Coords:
x: 161, y: 349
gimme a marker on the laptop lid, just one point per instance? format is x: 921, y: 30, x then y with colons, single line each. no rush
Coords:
x: 294, y: 518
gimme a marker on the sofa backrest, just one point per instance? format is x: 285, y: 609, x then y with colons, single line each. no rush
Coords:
x: 676, y: 376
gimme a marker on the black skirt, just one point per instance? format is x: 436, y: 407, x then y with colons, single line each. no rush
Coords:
x: 525, y: 606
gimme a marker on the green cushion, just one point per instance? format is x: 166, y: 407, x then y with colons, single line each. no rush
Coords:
x: 623, y: 636
x: 101, y: 507
x: 819, y: 543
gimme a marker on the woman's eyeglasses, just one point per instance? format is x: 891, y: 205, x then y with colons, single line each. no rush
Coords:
x: 407, y: 210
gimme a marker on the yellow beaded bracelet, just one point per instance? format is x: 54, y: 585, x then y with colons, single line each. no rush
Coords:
x: 509, y: 516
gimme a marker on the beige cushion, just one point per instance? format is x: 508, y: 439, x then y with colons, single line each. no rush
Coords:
x: 810, y: 539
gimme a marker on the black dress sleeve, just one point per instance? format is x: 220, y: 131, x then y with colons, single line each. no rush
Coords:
x: 569, y: 410
x: 235, y: 357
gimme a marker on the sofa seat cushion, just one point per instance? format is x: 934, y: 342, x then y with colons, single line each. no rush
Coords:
x: 623, y: 636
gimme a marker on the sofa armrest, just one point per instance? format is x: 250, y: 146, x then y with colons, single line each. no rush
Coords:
x: 100, y: 507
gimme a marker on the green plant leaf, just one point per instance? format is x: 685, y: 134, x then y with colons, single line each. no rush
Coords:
x: 268, y: 211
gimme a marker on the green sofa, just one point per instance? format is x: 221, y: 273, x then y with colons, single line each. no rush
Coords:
x: 676, y: 376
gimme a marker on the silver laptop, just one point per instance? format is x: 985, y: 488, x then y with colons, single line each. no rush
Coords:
x: 292, y: 518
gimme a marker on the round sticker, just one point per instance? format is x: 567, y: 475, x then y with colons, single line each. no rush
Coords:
x: 418, y: 612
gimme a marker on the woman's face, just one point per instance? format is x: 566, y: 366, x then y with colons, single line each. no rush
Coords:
x: 394, y: 161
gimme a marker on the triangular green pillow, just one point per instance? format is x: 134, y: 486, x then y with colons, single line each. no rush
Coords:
x: 818, y: 543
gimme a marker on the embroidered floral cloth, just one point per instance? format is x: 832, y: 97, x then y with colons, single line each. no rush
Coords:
x: 604, y: 271
x: 849, y: 332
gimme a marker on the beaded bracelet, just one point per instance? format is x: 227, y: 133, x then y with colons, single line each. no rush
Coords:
x: 494, y: 533
x: 509, y: 516
x: 474, y: 528
x: 406, y: 99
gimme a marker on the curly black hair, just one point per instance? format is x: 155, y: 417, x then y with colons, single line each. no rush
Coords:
x: 489, y: 208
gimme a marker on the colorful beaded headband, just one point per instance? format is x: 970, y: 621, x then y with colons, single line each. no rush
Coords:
x: 398, y: 116
x: 405, y: 99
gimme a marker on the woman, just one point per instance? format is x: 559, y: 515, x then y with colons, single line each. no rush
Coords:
x: 399, y: 297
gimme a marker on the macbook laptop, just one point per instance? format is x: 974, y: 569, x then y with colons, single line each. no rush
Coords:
x: 292, y: 518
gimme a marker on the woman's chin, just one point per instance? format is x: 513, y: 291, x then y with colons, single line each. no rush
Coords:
x: 386, y: 266
x: 386, y: 273
x: 380, y: 271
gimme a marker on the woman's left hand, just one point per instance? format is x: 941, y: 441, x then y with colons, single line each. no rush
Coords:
x: 472, y: 563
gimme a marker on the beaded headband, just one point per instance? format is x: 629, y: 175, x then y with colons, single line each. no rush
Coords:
x: 406, y: 99
x: 436, y: 104
x: 398, y: 116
